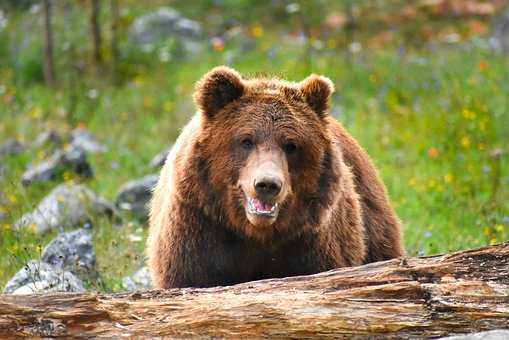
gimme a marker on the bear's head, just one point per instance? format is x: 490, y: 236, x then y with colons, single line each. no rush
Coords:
x: 265, y: 155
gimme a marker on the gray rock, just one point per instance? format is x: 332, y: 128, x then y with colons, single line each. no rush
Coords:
x: 83, y: 138
x: 73, y: 158
x: 161, y: 24
x: 500, y: 28
x: 140, y: 280
x: 38, y: 277
x: 11, y: 147
x: 152, y: 28
x: 135, y: 195
x: 76, y: 158
x: 66, y: 206
x: 158, y: 161
x: 498, y: 334
x: 73, y: 252
x: 50, y: 136
x: 44, y: 171
x: 191, y: 47
x: 187, y: 27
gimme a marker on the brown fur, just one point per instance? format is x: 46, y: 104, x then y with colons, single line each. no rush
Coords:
x: 333, y: 207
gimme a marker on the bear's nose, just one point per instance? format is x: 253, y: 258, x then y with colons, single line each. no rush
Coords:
x: 268, y: 187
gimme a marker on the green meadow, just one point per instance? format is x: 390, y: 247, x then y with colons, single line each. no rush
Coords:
x: 434, y: 118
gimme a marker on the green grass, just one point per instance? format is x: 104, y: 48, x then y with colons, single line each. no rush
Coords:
x: 430, y: 120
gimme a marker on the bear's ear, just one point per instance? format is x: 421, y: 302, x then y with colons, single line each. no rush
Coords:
x: 316, y: 91
x: 219, y: 87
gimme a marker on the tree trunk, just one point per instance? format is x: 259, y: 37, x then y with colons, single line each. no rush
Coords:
x: 114, y: 40
x: 403, y: 298
x: 96, y: 31
x: 49, y: 72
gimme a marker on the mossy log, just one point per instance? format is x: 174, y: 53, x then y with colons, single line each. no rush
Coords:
x: 433, y: 296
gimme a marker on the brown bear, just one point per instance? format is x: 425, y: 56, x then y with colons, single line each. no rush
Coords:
x: 263, y: 183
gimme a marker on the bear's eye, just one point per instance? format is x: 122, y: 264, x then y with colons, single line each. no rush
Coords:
x: 290, y: 147
x: 247, y: 143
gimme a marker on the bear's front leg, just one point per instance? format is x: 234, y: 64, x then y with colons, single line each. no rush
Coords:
x: 199, y: 256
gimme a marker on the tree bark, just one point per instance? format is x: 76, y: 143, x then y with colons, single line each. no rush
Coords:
x: 403, y: 298
x: 96, y: 31
x: 49, y: 71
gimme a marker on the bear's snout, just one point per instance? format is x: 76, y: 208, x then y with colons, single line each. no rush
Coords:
x: 263, y: 181
x: 267, y: 187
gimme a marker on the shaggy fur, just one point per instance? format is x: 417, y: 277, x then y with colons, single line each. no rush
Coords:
x: 333, y: 207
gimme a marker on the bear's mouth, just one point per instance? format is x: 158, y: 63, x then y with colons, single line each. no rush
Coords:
x: 259, y: 208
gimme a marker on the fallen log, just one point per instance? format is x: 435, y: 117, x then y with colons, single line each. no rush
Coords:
x: 432, y: 296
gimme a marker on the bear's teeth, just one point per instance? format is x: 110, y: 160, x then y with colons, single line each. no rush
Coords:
x: 260, y: 208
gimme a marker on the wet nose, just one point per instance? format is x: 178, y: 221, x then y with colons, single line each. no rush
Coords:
x: 268, y: 187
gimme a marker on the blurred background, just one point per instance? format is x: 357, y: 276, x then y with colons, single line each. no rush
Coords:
x: 93, y: 94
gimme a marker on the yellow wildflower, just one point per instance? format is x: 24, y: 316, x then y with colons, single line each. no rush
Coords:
x: 68, y: 177
x: 35, y: 112
x: 12, y: 198
x: 432, y: 184
x: 257, y: 31
x: 468, y: 114
x: 448, y: 178
x: 331, y: 44
x: 465, y: 142
x: 139, y: 80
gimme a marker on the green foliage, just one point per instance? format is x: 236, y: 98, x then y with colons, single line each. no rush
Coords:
x: 28, y: 64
